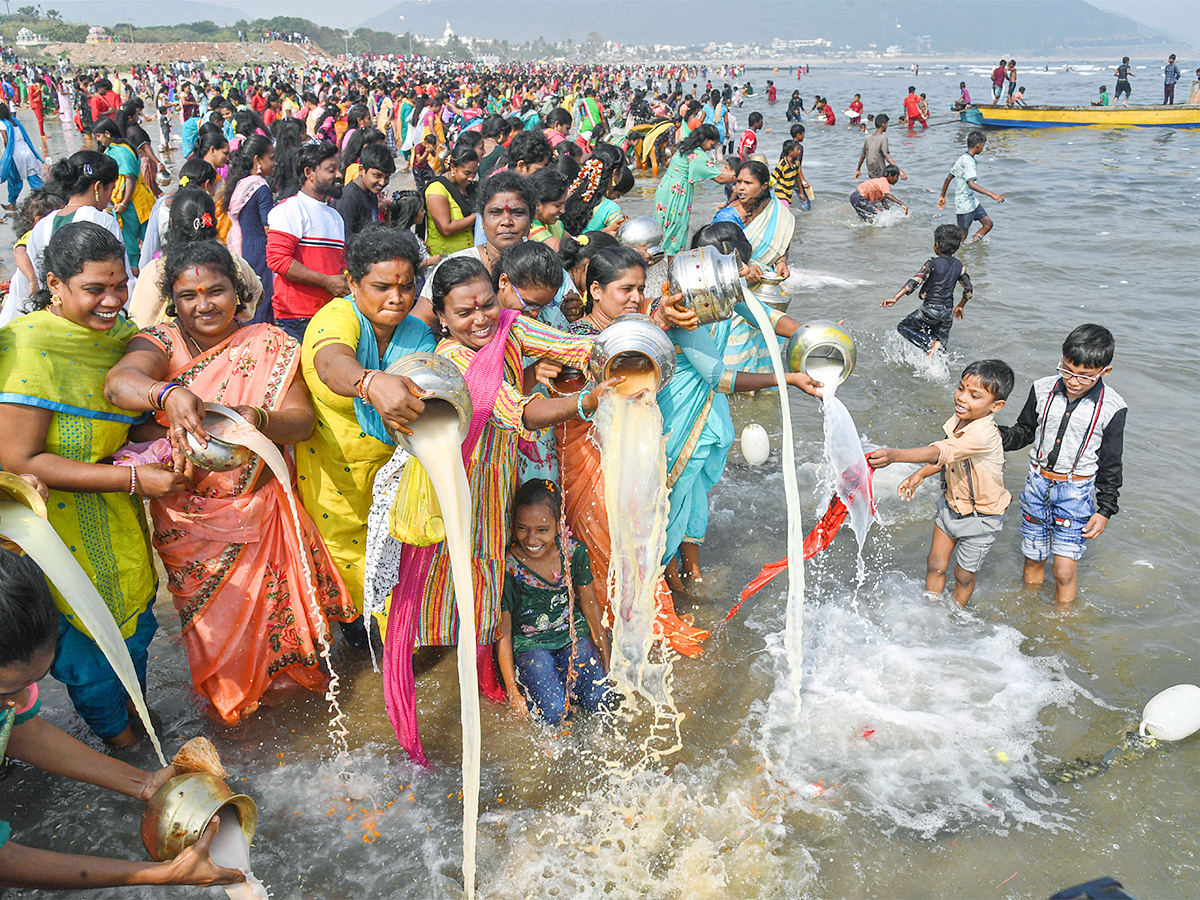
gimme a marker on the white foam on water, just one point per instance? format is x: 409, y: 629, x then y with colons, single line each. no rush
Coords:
x: 656, y: 836
x: 935, y: 368
x: 436, y: 445
x: 917, y: 717
x: 886, y: 218
x: 41, y: 543
x: 802, y: 279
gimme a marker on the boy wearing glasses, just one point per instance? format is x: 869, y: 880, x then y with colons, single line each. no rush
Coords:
x: 1076, y: 424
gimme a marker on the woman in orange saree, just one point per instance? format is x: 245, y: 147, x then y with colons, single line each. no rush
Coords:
x: 234, y: 561
x: 615, y: 286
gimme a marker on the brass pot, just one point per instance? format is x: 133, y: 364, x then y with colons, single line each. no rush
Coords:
x: 709, y: 282
x: 770, y: 292
x: 633, y: 335
x: 181, y: 809
x: 21, y: 491
x: 220, y: 455
x: 816, y: 348
x: 441, y: 381
x: 642, y: 231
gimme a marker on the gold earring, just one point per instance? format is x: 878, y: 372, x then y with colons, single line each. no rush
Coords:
x: 55, y: 300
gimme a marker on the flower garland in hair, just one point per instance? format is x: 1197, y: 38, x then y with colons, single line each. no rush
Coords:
x: 589, y: 174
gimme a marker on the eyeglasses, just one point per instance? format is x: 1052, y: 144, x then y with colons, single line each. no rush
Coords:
x: 517, y: 291
x: 1085, y: 380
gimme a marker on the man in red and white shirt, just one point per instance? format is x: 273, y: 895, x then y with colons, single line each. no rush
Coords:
x: 306, y: 243
x: 748, y: 145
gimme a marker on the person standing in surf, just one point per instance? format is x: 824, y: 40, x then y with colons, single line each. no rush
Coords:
x: 970, y: 511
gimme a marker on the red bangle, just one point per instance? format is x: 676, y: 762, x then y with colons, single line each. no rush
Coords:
x: 365, y: 384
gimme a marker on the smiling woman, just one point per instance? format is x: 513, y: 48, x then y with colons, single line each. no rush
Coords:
x: 53, y: 363
x: 245, y: 623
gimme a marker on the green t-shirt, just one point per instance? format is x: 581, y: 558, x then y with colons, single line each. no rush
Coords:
x: 539, y: 607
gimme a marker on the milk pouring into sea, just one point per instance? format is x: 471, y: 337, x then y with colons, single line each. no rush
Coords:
x: 435, y: 442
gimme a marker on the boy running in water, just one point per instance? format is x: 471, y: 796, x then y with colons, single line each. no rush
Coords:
x: 966, y: 207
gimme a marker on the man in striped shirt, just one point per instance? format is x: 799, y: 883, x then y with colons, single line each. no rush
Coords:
x: 306, y: 243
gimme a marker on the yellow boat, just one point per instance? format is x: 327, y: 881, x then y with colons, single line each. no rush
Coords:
x: 1181, y: 116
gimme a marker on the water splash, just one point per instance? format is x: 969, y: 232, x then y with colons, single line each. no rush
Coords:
x: 924, y: 725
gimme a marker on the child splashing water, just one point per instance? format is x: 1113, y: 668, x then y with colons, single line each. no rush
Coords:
x: 550, y: 629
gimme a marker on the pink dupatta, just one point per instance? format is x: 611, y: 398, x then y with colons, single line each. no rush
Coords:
x: 484, y: 376
x: 241, y: 196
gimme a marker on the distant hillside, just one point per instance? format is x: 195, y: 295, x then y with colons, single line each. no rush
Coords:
x: 991, y: 27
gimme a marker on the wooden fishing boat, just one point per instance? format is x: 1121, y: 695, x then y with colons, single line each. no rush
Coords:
x: 1181, y: 116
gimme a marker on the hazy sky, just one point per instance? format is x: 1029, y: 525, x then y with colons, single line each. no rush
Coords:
x: 1180, y: 17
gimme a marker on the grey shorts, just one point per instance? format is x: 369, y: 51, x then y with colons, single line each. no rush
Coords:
x: 974, y: 534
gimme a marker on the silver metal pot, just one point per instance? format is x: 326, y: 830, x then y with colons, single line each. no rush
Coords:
x: 632, y: 335
x: 181, y: 809
x: 769, y: 291
x: 442, y: 381
x: 219, y: 455
x: 817, y: 348
x: 709, y: 282
x: 642, y: 231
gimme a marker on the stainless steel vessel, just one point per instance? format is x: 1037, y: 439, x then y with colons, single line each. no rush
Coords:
x: 709, y: 282
x: 219, y: 455
x: 442, y: 381
x: 642, y: 231
x: 632, y: 335
x: 770, y: 291
x: 822, y: 350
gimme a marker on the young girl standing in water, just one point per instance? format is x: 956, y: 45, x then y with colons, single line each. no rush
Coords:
x: 536, y: 613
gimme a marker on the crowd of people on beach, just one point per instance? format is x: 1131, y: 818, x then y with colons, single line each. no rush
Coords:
x: 282, y: 280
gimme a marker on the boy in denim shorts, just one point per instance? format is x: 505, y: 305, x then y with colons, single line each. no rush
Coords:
x: 971, y: 459
x: 1076, y: 424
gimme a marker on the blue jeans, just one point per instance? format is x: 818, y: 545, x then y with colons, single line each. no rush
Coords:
x: 922, y: 329
x: 294, y: 327
x: 544, y: 675
x: 96, y: 693
x: 1053, y: 514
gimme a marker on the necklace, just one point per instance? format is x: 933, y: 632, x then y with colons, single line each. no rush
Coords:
x: 487, y: 252
x: 200, y: 351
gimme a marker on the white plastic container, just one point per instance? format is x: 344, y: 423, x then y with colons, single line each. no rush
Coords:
x: 756, y: 444
x: 1173, y: 714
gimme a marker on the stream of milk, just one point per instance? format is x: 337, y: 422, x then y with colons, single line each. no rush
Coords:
x: 41, y: 542
x: 793, y: 632
x: 436, y: 445
x: 230, y: 850
x: 248, y: 436
x: 633, y: 458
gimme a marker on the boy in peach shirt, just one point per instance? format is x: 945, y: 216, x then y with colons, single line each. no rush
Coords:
x: 971, y: 459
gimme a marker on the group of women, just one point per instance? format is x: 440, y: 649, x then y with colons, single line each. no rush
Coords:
x: 105, y: 414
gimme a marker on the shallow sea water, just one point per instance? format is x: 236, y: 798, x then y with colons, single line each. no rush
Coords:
x: 931, y: 730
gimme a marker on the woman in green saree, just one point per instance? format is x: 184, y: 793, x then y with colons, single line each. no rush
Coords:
x: 60, y: 427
